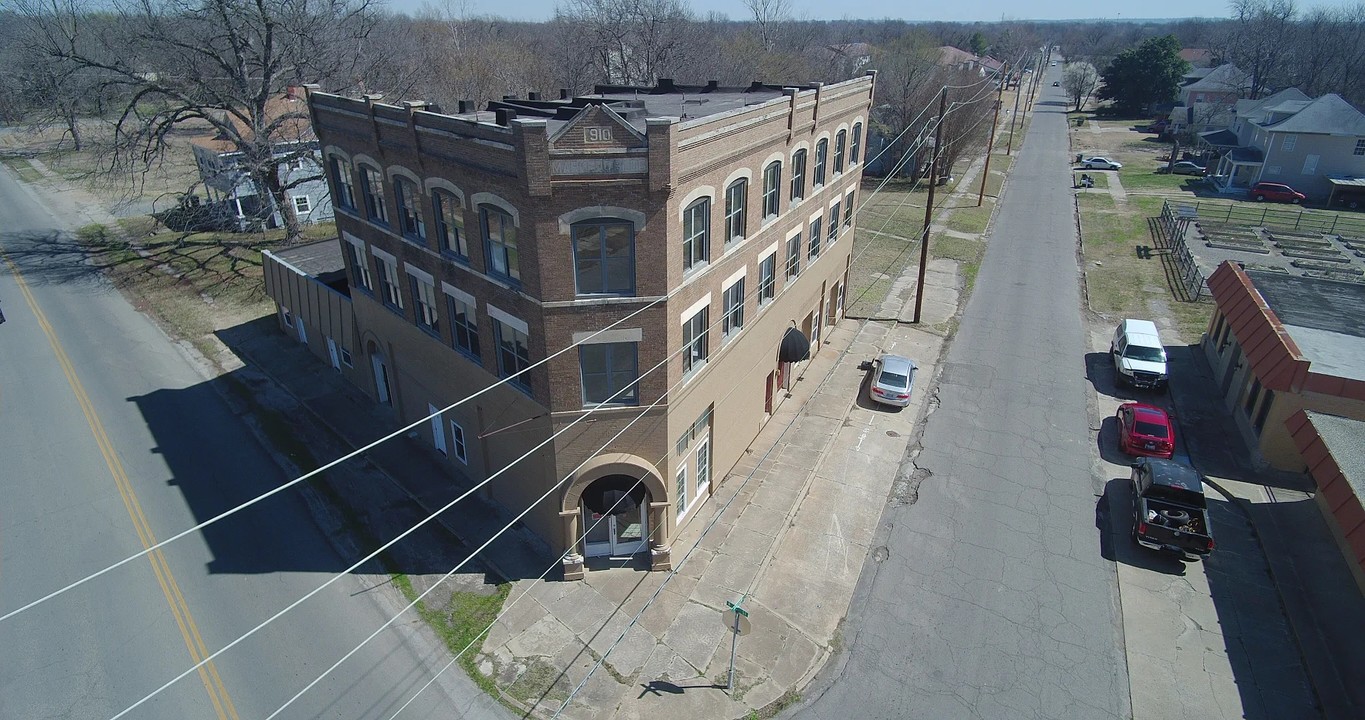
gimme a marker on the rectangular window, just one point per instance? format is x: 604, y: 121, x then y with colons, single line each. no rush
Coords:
x: 1289, y: 142
x: 848, y: 209
x: 694, y: 341
x: 373, y: 186
x: 610, y: 373
x: 500, y: 242
x: 834, y: 223
x: 287, y: 317
x: 341, y: 181
x: 424, y: 300
x: 733, y: 319
x: 604, y: 257
x: 461, y: 450
x: 410, y: 221
x: 302, y: 204
x: 736, y: 197
x: 798, y: 189
x: 464, y: 328
x: 1310, y: 164
x: 696, y: 234
x: 1360, y: 147
x: 839, y: 151
x: 450, y: 225
x: 1252, y: 396
x: 772, y: 184
x: 855, y: 146
x: 815, y: 237
x: 346, y: 357
x: 1259, y: 423
x: 680, y: 490
x: 821, y: 154
x: 514, y: 354
x: 767, y: 278
x: 389, y: 290
x: 794, y: 256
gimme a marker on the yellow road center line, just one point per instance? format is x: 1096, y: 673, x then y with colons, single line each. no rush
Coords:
x: 208, y: 673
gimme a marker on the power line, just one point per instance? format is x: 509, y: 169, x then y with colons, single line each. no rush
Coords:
x: 663, y: 363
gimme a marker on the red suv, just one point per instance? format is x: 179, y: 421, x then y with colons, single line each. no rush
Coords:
x: 1279, y: 192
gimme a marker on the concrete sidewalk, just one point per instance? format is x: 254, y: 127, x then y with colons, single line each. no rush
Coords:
x: 1314, y: 586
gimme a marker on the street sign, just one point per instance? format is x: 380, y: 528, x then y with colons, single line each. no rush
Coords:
x: 739, y: 610
x: 736, y: 622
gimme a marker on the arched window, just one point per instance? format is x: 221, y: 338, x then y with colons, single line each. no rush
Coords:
x: 604, y: 257
x: 500, y: 242
x: 342, y: 183
x: 856, y: 145
x: 449, y: 224
x: 821, y: 155
x: 798, y: 175
x: 736, y: 206
x: 410, y: 221
x: 372, y: 185
x: 697, y: 234
x: 772, y: 188
x: 839, y: 150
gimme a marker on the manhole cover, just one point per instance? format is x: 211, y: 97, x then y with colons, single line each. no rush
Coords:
x: 880, y: 553
x: 892, y: 433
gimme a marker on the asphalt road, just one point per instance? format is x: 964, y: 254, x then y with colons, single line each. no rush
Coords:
x: 109, y: 437
x: 993, y: 600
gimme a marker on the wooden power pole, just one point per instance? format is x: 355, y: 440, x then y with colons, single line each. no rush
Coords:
x: 929, y: 208
x: 990, y: 140
x: 1018, y: 88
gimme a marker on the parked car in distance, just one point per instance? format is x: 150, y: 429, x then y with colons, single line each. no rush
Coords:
x: 1170, y: 512
x: 893, y: 379
x: 1277, y: 192
x: 1158, y: 127
x: 1145, y: 430
x: 1056, y: 84
x: 1139, y: 357
x: 1186, y: 167
x: 1100, y: 163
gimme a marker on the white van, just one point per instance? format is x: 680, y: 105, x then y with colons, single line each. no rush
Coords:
x: 1139, y: 356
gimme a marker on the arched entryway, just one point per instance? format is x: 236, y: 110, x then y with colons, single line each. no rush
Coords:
x: 616, y: 505
x: 614, y: 516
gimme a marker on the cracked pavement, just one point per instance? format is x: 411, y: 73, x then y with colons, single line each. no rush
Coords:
x: 994, y: 600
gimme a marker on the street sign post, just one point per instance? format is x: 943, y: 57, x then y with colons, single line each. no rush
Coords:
x: 736, y: 619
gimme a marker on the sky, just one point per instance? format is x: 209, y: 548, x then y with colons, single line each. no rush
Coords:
x: 960, y: 10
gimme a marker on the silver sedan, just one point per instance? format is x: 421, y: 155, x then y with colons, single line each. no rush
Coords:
x: 893, y: 377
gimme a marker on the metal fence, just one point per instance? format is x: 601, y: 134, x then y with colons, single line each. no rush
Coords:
x: 1174, y: 220
x: 1235, y: 213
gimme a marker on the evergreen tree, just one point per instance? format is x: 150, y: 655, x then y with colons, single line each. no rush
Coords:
x: 1146, y: 75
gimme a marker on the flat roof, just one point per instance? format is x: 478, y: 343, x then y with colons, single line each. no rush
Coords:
x: 314, y: 259
x: 1344, y: 438
x: 1325, y: 318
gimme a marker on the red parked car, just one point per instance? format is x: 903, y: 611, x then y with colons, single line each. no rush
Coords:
x: 1279, y: 192
x: 1145, y: 430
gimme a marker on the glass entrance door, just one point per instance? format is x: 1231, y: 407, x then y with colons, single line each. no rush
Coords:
x: 624, y: 533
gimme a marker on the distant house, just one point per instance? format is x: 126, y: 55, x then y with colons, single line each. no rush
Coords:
x: 1290, y: 139
x: 233, y: 200
x: 850, y: 58
x: 1197, y: 57
x: 1207, y: 102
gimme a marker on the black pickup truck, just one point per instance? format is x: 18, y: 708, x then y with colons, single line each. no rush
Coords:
x: 1169, y: 512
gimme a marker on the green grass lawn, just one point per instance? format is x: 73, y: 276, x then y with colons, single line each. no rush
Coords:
x: 1142, y: 176
x: 24, y: 169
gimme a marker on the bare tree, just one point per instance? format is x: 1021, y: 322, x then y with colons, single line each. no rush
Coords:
x: 220, y: 63
x: 1080, y: 80
x: 1258, y: 40
x: 769, y: 17
x: 635, y: 42
x: 967, y: 125
x: 906, y: 83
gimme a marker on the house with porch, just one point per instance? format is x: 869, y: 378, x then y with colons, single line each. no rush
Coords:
x: 1208, y: 101
x: 1289, y: 138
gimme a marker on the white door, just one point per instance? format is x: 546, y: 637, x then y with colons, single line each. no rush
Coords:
x: 438, y: 431
x: 615, y: 535
x: 303, y: 334
x: 703, y: 466
x: 381, y: 379
x: 332, y: 352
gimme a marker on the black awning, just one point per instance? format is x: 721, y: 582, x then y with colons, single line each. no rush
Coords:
x: 616, y: 494
x: 794, y: 348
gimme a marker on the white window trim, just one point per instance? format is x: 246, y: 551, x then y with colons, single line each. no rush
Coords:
x: 692, y: 310
x: 458, y: 449
x: 741, y: 173
x: 382, y: 255
x: 509, y: 320
x: 619, y: 335
x: 420, y: 274
x: 460, y: 295
x: 683, y: 498
x: 286, y: 316
x: 702, y: 191
x: 308, y: 201
x: 735, y: 277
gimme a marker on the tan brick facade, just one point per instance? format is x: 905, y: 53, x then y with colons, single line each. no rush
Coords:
x: 602, y: 169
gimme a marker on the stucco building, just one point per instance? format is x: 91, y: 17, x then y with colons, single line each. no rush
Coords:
x: 628, y: 263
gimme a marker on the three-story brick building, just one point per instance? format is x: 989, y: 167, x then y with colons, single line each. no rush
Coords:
x: 629, y: 262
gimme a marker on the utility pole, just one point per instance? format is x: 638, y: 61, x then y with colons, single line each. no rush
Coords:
x: 1018, y: 88
x: 929, y: 208
x: 990, y: 140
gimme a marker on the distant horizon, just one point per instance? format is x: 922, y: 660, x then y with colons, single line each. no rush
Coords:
x: 965, y: 11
